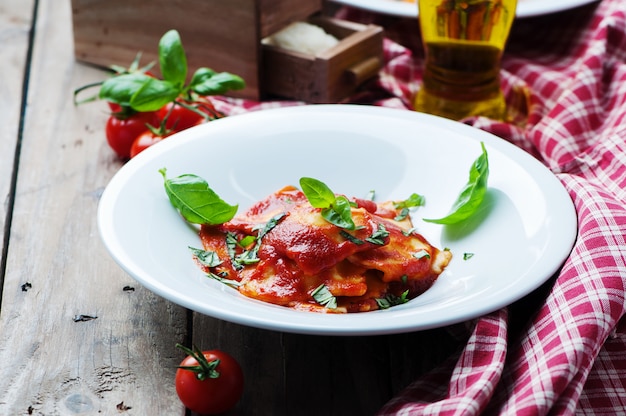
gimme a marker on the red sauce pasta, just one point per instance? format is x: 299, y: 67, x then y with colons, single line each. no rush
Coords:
x: 284, y: 252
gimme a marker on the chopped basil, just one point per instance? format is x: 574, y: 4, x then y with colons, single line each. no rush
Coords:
x: 467, y: 256
x: 270, y: 224
x: 231, y: 248
x: 246, y: 241
x: 206, y: 258
x: 379, y: 235
x: 323, y: 296
x: 415, y: 200
x: 351, y: 238
x: 229, y: 282
x: 392, y: 300
x: 402, y: 215
x: 422, y: 254
x: 409, y: 231
x: 472, y: 194
x: 249, y: 256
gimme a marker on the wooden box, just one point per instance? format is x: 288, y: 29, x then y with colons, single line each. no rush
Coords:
x: 331, y: 75
x: 226, y: 35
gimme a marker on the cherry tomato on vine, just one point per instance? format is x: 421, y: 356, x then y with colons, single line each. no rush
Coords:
x: 121, y: 132
x: 143, y: 141
x: 180, y: 116
x: 209, y: 382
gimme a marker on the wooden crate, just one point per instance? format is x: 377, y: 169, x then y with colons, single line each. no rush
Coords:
x: 226, y: 35
x: 331, y: 75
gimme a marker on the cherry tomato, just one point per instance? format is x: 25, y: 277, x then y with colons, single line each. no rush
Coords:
x: 209, y: 382
x: 180, y: 118
x: 143, y: 141
x: 121, y: 132
x: 114, y: 107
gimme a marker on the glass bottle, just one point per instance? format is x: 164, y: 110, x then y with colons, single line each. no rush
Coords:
x: 463, y: 43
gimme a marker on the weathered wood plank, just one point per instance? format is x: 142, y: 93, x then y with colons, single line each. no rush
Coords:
x: 49, y: 363
x: 293, y: 374
x: 15, y: 24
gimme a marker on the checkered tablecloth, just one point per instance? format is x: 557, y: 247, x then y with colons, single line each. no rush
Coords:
x: 562, y: 350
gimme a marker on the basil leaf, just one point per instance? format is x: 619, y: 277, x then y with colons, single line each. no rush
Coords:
x: 201, y: 75
x: 205, y: 81
x: 318, y: 194
x: 337, y: 210
x: 121, y: 88
x: 172, y: 59
x: 339, y: 213
x: 153, y: 94
x: 472, y: 194
x: 197, y: 203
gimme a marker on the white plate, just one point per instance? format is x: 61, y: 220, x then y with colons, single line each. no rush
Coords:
x: 525, y: 8
x: 527, y: 234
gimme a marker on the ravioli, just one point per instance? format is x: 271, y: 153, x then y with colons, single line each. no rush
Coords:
x: 284, y: 252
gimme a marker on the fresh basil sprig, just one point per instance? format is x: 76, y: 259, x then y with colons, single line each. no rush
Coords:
x: 337, y: 210
x: 142, y: 92
x: 472, y: 194
x: 119, y: 90
x: 196, y: 201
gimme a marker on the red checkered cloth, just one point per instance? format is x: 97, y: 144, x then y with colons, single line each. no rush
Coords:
x: 564, y: 76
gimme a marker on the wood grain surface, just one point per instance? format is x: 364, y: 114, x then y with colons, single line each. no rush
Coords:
x: 78, y: 336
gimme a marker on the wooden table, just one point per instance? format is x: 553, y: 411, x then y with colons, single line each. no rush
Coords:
x: 54, y: 164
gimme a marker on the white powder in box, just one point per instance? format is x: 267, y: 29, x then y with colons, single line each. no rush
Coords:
x: 302, y: 37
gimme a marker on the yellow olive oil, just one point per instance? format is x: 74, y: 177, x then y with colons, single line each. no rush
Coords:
x: 463, y: 42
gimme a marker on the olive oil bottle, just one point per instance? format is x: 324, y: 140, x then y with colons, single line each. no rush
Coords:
x: 463, y: 42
